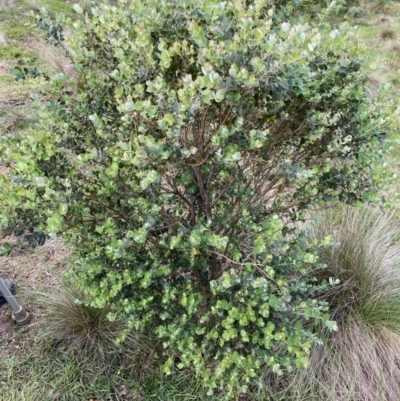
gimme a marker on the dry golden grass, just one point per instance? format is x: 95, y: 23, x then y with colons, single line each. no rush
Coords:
x: 52, y: 58
x: 364, y: 355
x: 360, y: 361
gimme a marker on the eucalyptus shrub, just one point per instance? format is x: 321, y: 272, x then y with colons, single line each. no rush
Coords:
x: 191, y: 139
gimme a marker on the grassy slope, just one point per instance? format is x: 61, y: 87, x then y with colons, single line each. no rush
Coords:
x: 379, y: 34
x: 28, y: 369
x: 21, y: 44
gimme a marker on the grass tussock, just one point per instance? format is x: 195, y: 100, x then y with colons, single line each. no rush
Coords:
x: 361, y: 361
x: 388, y: 34
x: 69, y: 318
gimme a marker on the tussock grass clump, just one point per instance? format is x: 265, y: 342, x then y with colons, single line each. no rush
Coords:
x: 388, y: 34
x: 362, y: 360
x: 69, y: 319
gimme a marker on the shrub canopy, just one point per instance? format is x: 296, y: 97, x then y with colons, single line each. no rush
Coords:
x: 191, y: 136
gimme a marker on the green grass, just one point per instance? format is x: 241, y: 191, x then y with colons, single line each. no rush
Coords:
x: 11, y: 90
x: 14, y: 22
x: 378, y: 34
x: 16, y: 119
x: 58, y: 7
x: 64, y: 374
x: 18, y: 54
x: 25, y: 47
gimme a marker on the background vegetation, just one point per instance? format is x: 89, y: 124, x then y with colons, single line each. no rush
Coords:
x: 107, y: 373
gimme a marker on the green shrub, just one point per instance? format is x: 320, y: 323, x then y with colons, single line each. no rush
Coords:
x: 356, y: 12
x: 191, y: 138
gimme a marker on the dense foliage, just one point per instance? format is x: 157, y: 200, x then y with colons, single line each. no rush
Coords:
x: 176, y: 161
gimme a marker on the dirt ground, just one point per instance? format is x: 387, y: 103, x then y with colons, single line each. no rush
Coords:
x: 33, y: 272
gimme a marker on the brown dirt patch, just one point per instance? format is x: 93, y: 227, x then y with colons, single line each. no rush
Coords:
x: 53, y: 56
x: 4, y: 69
x: 32, y: 271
